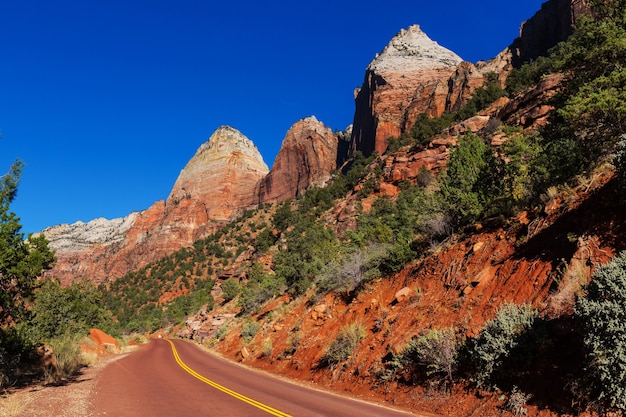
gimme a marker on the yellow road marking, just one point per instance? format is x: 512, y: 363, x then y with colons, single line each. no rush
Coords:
x: 222, y: 388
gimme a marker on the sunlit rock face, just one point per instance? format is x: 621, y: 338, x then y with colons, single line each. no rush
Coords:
x: 307, y: 157
x: 409, y: 77
x: 216, y: 185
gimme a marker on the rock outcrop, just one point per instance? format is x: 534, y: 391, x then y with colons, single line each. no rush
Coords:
x: 217, y: 184
x: 220, y: 180
x: 549, y: 26
x: 411, y: 76
x: 307, y: 157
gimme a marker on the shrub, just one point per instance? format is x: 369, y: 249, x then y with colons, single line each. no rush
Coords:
x: 343, y: 346
x: 471, y: 180
x: 69, y: 360
x: 498, y: 338
x: 602, y: 315
x: 260, y: 288
x: 230, y: 289
x: 249, y: 329
x: 517, y: 402
x: 481, y: 98
x: 267, y: 347
x: 353, y: 270
x: 437, y: 351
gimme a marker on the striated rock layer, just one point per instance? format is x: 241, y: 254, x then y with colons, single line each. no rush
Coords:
x: 411, y: 76
x: 307, y: 157
x: 217, y: 184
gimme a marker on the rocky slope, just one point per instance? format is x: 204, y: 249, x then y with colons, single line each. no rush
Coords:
x: 226, y: 176
x: 411, y: 76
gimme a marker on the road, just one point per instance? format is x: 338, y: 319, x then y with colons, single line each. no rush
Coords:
x: 176, y: 378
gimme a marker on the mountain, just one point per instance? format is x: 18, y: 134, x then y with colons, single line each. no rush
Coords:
x: 215, y: 186
x: 225, y: 177
x: 410, y: 76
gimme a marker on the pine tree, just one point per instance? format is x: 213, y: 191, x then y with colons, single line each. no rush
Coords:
x: 21, y: 261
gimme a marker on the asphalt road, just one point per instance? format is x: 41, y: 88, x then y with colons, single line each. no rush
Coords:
x: 176, y: 378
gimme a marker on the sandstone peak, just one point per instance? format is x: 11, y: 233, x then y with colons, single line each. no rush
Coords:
x: 226, y: 150
x: 411, y: 50
x: 225, y: 141
x: 307, y: 157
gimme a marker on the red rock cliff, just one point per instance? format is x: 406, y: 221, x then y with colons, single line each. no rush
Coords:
x: 307, y: 157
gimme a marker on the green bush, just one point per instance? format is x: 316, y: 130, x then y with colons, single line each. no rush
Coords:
x: 471, y: 181
x: 260, y: 288
x: 249, y: 329
x: 482, y: 97
x: 498, y: 338
x: 353, y: 270
x: 344, y: 345
x: 69, y: 360
x: 230, y: 289
x: 67, y: 310
x: 602, y: 317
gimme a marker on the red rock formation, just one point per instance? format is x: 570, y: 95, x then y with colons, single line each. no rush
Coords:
x: 307, y: 157
x: 214, y: 187
x: 411, y: 76
x: 411, y: 71
x: 530, y: 109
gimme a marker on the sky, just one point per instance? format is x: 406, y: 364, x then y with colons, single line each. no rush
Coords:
x: 105, y: 101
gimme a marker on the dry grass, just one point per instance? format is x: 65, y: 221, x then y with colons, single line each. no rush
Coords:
x: 11, y: 405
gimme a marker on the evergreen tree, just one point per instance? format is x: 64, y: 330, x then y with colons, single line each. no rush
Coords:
x: 21, y: 261
x: 471, y: 180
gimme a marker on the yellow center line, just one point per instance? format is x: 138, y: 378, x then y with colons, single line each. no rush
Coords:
x: 222, y: 388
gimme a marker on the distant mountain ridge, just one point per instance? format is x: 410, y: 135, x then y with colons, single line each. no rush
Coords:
x: 227, y: 175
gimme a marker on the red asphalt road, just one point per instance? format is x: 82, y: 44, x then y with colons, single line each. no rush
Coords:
x: 150, y: 382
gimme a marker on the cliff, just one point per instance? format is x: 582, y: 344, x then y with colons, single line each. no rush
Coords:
x: 307, y: 157
x: 410, y: 76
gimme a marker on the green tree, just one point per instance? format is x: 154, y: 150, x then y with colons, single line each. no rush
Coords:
x: 21, y: 261
x: 230, y: 289
x: 59, y: 311
x: 602, y: 316
x: 595, y: 87
x: 471, y: 180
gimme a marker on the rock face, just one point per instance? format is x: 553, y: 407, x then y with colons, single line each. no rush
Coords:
x: 415, y: 75
x: 307, y: 157
x: 220, y: 179
x: 549, y: 26
x: 214, y: 187
x: 412, y: 75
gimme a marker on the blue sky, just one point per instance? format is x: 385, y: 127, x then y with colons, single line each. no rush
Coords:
x: 106, y: 101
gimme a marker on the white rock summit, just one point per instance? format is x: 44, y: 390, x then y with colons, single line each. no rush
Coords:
x: 411, y: 50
